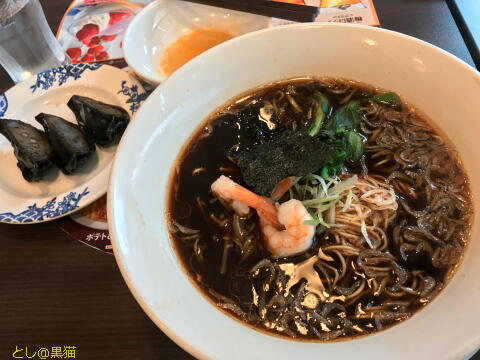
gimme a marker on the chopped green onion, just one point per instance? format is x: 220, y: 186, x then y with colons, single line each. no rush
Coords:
x: 320, y: 201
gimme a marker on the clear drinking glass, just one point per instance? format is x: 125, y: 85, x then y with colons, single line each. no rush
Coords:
x: 27, y: 45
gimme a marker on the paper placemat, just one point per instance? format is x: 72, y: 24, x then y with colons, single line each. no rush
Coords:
x: 92, y: 30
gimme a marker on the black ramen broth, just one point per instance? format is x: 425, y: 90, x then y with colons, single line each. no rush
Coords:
x: 388, y: 206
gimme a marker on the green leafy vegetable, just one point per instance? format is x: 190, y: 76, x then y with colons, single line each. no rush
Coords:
x: 324, y: 109
x: 341, y: 132
x: 348, y: 148
x: 354, y: 146
x: 344, y: 119
x: 389, y: 98
x: 333, y: 166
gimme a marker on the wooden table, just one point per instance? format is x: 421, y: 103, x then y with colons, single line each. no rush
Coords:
x: 55, y: 291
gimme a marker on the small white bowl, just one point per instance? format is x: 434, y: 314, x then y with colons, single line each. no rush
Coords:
x: 164, y: 21
x: 441, y: 85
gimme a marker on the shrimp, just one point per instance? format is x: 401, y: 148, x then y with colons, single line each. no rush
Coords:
x: 283, y: 229
x: 228, y: 190
x: 297, y: 236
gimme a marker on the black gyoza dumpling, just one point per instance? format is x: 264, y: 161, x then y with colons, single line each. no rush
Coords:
x: 31, y: 148
x: 101, y: 122
x: 71, y: 147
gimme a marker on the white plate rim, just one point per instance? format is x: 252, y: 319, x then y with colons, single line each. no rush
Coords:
x: 129, y: 93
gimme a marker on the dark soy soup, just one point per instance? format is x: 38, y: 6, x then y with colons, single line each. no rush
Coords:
x: 319, y: 209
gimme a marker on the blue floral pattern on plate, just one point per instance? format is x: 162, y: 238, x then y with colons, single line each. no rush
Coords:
x: 3, y: 104
x: 50, y: 210
x: 134, y: 98
x: 46, y: 79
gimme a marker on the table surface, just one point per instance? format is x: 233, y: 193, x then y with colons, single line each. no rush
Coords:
x: 466, y: 14
x: 55, y: 291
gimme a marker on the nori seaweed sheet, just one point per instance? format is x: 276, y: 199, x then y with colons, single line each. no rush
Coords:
x: 289, y: 154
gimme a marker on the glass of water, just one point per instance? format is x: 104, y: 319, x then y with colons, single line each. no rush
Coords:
x: 27, y: 45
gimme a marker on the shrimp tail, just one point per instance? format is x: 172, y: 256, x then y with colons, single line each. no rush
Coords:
x: 281, y: 188
x: 227, y: 188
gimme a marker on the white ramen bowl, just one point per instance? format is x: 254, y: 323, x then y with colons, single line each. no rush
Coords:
x: 439, y: 84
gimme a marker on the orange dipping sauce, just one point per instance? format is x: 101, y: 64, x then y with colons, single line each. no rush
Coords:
x: 189, y: 45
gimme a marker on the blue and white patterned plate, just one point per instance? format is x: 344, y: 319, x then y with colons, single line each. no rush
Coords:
x: 57, y: 195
